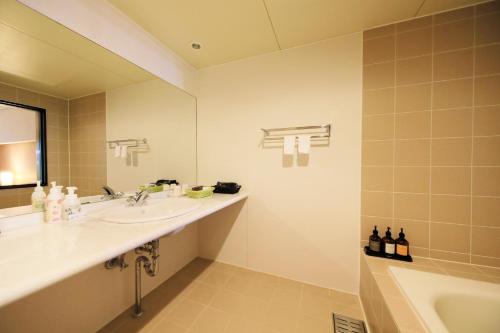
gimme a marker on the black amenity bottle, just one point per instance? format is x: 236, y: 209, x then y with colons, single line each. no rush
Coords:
x: 388, y: 244
x: 402, y: 245
x: 374, y: 241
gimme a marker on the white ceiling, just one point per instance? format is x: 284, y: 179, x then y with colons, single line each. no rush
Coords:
x: 38, y: 54
x: 230, y: 30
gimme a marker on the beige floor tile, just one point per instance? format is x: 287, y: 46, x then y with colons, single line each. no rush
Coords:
x: 261, y: 289
x: 238, y: 324
x: 227, y: 300
x: 308, y: 324
x: 281, y: 319
x: 309, y: 289
x: 238, y: 283
x: 253, y: 308
x: 216, y: 297
x: 344, y: 298
x: 290, y: 285
x: 211, y: 321
x: 166, y: 326
x: 315, y: 306
x: 287, y: 298
x: 215, y: 278
x: 185, y: 313
x: 202, y: 293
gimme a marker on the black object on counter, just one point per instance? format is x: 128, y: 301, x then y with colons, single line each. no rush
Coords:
x: 369, y: 252
x: 374, y: 242
x: 227, y: 188
x: 166, y: 182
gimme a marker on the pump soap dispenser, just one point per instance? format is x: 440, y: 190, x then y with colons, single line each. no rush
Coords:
x: 374, y: 242
x: 53, y: 204
x: 72, y: 208
x: 402, y: 245
x: 389, y: 244
x: 38, y: 198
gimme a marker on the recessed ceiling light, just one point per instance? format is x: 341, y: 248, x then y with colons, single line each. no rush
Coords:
x: 196, y: 46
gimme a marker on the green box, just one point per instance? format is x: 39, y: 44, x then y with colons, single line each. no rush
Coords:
x: 206, y: 192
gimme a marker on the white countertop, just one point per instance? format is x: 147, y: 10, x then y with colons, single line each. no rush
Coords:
x: 34, y: 257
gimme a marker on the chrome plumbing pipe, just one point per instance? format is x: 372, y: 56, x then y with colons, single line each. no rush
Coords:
x: 151, y: 267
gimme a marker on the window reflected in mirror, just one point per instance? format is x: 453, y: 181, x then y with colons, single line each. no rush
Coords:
x: 22, y: 145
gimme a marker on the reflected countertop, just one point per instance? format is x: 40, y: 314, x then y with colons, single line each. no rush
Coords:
x: 36, y: 256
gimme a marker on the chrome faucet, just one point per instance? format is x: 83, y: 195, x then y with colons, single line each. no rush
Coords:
x: 139, y: 198
x: 110, y: 193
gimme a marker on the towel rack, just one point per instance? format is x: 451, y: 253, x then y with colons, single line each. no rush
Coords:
x: 131, y: 143
x: 316, y: 131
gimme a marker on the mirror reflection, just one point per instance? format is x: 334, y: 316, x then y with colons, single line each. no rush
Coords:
x: 22, y: 145
x: 90, y: 96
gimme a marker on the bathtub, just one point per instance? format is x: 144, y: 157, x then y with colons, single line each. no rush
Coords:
x: 447, y: 304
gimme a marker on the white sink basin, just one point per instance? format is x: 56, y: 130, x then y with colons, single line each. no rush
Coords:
x: 152, y: 210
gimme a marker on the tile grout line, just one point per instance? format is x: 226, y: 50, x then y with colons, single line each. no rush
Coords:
x: 431, y: 53
x: 431, y: 137
x: 394, y: 124
x: 472, y: 125
x: 435, y: 222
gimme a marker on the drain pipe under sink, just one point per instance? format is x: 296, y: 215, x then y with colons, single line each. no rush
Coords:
x: 151, y: 267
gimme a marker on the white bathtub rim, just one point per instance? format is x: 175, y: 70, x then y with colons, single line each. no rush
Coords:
x: 423, y: 301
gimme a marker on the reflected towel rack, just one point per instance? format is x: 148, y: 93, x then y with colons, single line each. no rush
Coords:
x: 316, y: 131
x: 131, y: 143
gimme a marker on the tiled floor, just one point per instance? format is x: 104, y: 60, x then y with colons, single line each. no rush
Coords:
x: 208, y: 296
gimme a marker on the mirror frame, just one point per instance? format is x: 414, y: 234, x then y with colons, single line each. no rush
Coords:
x: 42, y: 141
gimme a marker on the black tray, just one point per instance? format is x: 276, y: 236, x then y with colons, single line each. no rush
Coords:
x: 369, y: 252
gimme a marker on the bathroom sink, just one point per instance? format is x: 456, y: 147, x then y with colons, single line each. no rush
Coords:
x: 152, y: 210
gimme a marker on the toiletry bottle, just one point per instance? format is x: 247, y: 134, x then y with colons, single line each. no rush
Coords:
x: 38, y: 198
x: 53, y: 204
x: 374, y: 242
x: 389, y: 244
x: 402, y: 245
x: 72, y: 208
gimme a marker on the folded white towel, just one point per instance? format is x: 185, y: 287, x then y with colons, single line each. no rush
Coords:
x: 117, y: 150
x: 124, y: 152
x: 288, y: 145
x: 304, y: 144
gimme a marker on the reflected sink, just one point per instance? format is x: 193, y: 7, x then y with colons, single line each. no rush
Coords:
x: 152, y: 210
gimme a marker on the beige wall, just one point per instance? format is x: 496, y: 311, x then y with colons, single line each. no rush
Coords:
x: 87, y: 142
x: 431, y: 127
x: 300, y: 222
x: 57, y: 140
x: 166, y: 117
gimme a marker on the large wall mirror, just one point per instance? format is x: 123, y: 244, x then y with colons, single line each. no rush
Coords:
x: 23, y: 153
x: 91, y: 97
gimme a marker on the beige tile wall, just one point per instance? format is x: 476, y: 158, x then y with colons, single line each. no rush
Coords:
x: 57, y: 140
x: 87, y: 123
x: 431, y: 133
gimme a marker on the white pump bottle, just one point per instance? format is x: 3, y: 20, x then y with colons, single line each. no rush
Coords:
x: 72, y: 208
x: 53, y: 204
x: 38, y: 198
